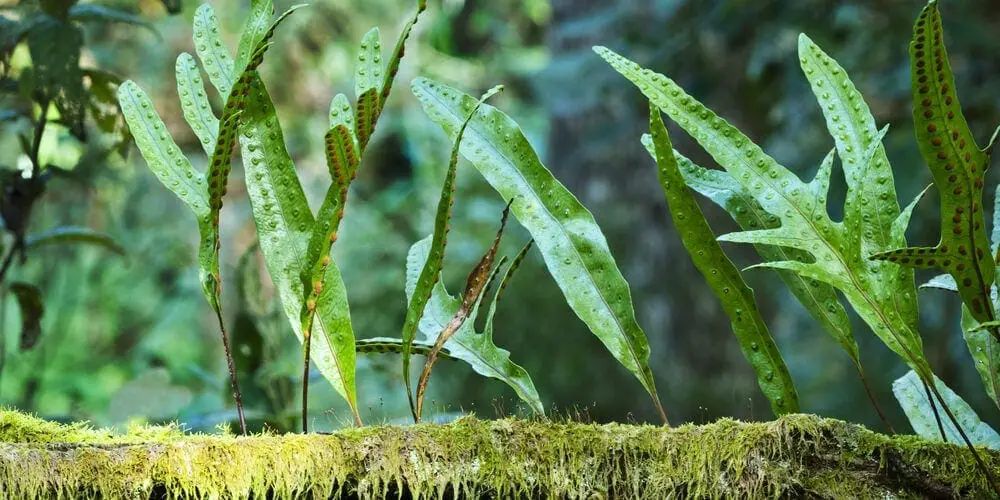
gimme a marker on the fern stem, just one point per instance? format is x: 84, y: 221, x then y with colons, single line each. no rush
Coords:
x: 968, y: 443
x: 237, y: 397
x: 306, y: 346
x: 872, y: 398
x: 937, y: 416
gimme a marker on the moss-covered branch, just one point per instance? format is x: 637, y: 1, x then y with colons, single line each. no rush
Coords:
x: 798, y: 456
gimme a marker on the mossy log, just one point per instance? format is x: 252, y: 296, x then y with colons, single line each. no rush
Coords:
x: 796, y: 456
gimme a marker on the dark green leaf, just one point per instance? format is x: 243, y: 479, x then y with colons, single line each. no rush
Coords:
x: 29, y: 300
x: 723, y: 277
x: 73, y: 235
x: 90, y: 12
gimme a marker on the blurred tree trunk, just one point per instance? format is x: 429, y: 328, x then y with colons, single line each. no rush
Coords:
x: 594, y: 148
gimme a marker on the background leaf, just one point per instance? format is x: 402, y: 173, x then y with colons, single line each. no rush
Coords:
x: 73, y: 235
x: 909, y: 391
x: 29, y: 300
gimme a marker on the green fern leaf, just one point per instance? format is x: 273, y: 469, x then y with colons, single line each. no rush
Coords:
x: 431, y: 269
x: 723, y: 277
x: 572, y: 245
x: 958, y: 165
x: 212, y: 50
x: 194, y: 102
x: 476, y: 349
x: 985, y: 351
x: 836, y: 257
x: 368, y: 71
x: 392, y: 68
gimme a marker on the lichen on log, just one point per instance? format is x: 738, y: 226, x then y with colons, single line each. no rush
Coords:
x: 795, y: 456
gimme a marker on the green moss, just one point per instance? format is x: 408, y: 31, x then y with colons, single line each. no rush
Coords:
x: 798, y: 455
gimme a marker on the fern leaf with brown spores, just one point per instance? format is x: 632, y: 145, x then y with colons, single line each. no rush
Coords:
x: 957, y: 165
x: 392, y: 68
x: 430, y: 271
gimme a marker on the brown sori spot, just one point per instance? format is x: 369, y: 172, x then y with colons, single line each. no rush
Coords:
x: 967, y: 282
x: 949, y: 166
x: 956, y: 219
x: 942, y: 155
x: 947, y: 100
x: 923, y: 90
x: 919, y: 46
x: 928, y: 114
x: 943, y: 248
x: 960, y: 267
x: 968, y: 156
x: 920, y: 71
x: 959, y: 210
x: 976, y: 225
x: 918, y: 262
x: 957, y: 190
x: 972, y: 167
x: 921, y: 251
x: 979, y: 182
x: 919, y: 53
x: 893, y: 258
x: 952, y: 178
x: 977, y: 306
x: 951, y: 114
x: 936, y: 141
x: 957, y: 230
x: 931, y: 127
x: 944, y: 88
x: 979, y: 253
x: 946, y: 263
x: 905, y: 260
x: 926, y: 102
x: 931, y: 262
x: 962, y: 250
x: 920, y: 64
x: 975, y: 206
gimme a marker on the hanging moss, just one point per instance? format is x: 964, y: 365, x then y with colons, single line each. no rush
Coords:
x: 798, y: 455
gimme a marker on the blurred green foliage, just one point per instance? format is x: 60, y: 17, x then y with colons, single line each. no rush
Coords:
x: 121, y: 331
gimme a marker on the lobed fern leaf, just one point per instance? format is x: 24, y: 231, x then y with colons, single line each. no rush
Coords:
x: 835, y: 256
x: 958, y: 165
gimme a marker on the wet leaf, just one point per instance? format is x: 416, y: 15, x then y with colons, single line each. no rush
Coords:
x: 385, y: 345
x: 819, y: 299
x: 912, y: 397
x: 572, y: 245
x: 985, y: 352
x: 736, y: 297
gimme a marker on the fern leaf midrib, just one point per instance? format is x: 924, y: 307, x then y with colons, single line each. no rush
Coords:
x: 513, y: 166
x: 885, y: 240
